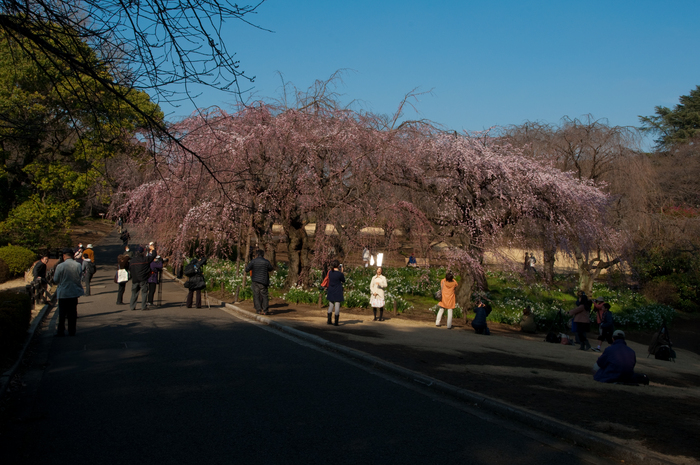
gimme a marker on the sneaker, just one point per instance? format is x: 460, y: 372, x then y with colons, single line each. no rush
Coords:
x: 597, y: 349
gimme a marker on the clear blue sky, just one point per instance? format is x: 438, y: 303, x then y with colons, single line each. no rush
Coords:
x: 487, y: 63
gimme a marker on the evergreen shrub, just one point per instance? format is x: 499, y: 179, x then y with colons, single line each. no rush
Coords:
x: 18, y: 259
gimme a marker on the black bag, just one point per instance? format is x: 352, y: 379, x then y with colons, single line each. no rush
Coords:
x: 190, y: 270
x: 93, y: 268
x: 553, y: 337
x: 663, y: 353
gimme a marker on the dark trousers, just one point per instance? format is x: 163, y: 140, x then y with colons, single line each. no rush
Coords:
x: 606, y: 335
x: 481, y: 329
x: 120, y: 292
x: 151, y: 292
x: 67, y: 310
x: 86, y: 282
x: 260, y: 297
x: 141, y: 287
x: 582, y: 329
x: 199, y: 298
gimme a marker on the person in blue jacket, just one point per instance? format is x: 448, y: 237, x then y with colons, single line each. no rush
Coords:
x: 616, y: 364
x: 336, y: 278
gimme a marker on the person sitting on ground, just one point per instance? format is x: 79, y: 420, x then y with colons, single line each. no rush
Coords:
x: 527, y: 321
x: 482, y: 310
x: 412, y: 263
x: 616, y: 364
x: 607, y: 327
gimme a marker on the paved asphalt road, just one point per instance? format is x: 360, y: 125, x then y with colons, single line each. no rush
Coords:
x: 200, y: 386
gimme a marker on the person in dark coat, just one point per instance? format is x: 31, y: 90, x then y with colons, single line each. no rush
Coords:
x: 336, y: 278
x: 154, y: 277
x: 40, y: 281
x: 616, y: 364
x: 196, y: 283
x: 140, y: 269
x: 260, y: 281
x: 482, y: 310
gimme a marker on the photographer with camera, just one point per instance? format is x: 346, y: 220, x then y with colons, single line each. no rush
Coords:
x: 481, y: 311
x: 195, y: 281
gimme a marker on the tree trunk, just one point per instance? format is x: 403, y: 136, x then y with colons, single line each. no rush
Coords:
x: 588, y: 271
x: 549, y: 254
x: 271, y: 252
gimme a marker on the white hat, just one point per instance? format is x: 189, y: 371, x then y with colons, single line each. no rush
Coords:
x: 619, y: 333
x: 89, y: 246
x: 151, y: 243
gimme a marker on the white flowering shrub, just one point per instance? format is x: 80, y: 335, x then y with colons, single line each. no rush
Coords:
x: 299, y: 295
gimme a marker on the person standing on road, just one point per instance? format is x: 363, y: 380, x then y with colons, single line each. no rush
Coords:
x: 336, y: 278
x: 90, y: 252
x: 376, y: 289
x: 260, y: 281
x: 122, y: 275
x: 125, y: 236
x: 67, y: 278
x: 153, y: 279
x: 140, y: 269
x: 448, y: 301
x: 195, y: 281
x: 89, y: 269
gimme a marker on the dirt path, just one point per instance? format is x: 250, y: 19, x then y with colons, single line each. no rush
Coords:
x: 527, y: 372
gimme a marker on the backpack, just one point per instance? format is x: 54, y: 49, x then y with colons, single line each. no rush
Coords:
x: 190, y: 270
x: 663, y: 353
x: 553, y: 338
x: 93, y: 267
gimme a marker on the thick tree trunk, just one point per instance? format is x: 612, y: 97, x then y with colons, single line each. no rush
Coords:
x: 548, y: 263
x: 471, y: 282
x: 298, y: 252
x: 271, y: 252
x: 588, y: 271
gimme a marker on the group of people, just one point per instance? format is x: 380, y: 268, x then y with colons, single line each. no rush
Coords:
x: 143, y: 267
x: 581, y: 321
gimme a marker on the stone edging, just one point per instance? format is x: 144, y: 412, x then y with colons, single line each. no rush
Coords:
x: 7, y: 376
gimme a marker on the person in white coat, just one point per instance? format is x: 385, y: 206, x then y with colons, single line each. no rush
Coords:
x: 376, y: 289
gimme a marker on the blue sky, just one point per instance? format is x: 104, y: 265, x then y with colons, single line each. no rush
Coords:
x: 487, y: 63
